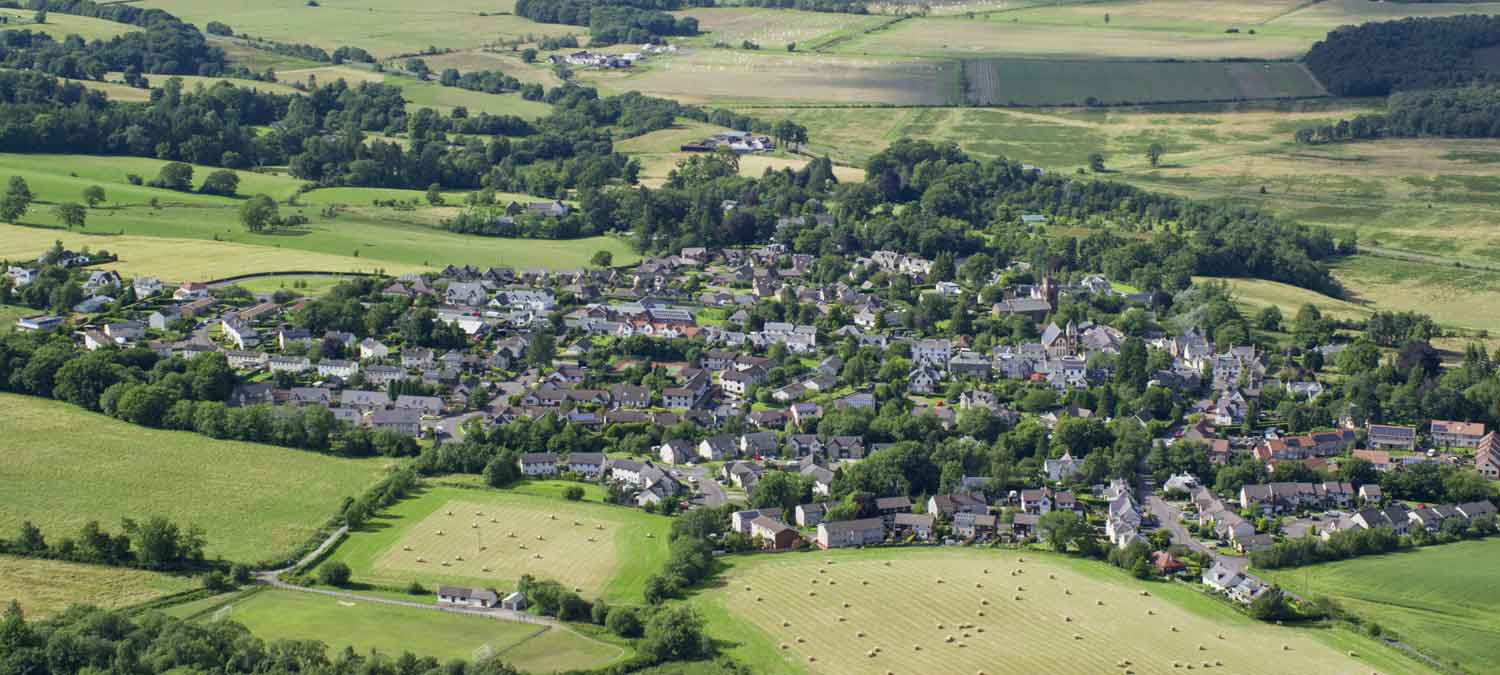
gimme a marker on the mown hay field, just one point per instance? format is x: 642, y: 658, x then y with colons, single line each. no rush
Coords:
x: 972, y: 610
x: 64, y: 467
x: 776, y: 28
x: 1033, y: 82
x: 1443, y: 600
x: 339, y: 623
x: 490, y: 538
x: 60, y: 26
x: 46, y: 587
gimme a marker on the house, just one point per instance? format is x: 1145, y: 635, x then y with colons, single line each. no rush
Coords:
x: 382, y: 375
x: 676, y: 451
x: 1456, y: 434
x: 1391, y: 437
x: 1380, y: 459
x: 370, y: 348
x: 742, y: 521
x: 468, y: 597
x: 1236, y: 585
x: 159, y: 319
x: 1487, y: 456
x: 717, y: 448
x: 538, y: 464
x: 809, y: 515
x: 310, y: 396
x: 945, y: 506
x: 587, y: 464
x: 1370, y: 492
x: 280, y: 363
x: 822, y: 478
x: 146, y: 287
x: 1062, y: 468
x: 515, y: 602
x: 773, y: 534
x: 917, y: 525
x: 404, y: 422
x: 465, y: 294
x: 364, y: 400
x: 426, y: 405
x: 1036, y: 502
x: 846, y: 533
x: 890, y: 506
x: 1167, y: 564
x: 974, y: 525
x: 337, y: 368
x: 191, y: 290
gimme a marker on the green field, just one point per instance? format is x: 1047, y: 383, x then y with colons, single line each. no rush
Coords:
x: 60, y: 26
x: 776, y: 28
x: 392, y: 629
x: 384, y: 27
x: 64, y: 467
x: 1257, y: 294
x: 440, y: 537
x: 46, y: 587
x: 805, y: 614
x: 1030, y: 82
x: 1450, y: 295
x: 1443, y: 600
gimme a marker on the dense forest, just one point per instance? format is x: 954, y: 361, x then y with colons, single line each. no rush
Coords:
x: 1461, y: 112
x: 1375, y: 59
x: 163, y: 48
x: 616, y: 21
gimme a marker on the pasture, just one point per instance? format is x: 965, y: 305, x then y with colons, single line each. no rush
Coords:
x: 1450, y: 295
x: 1256, y: 294
x: 903, y: 610
x: 1443, y: 600
x: 1030, y: 82
x: 490, y: 538
x: 383, y: 27
x: 46, y: 587
x: 60, y: 26
x: 774, y: 29
x: 274, y: 614
x: 64, y: 467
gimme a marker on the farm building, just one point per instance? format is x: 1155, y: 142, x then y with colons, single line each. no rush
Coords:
x: 466, y: 597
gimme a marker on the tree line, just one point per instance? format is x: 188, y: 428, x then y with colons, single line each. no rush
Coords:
x: 616, y: 21
x: 1460, y: 112
x: 1376, y: 59
x: 156, y: 543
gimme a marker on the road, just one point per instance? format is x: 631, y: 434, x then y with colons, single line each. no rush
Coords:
x: 1168, y: 517
x: 713, y: 493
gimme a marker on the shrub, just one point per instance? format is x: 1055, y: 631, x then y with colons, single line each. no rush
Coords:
x: 573, y: 493
x: 334, y: 574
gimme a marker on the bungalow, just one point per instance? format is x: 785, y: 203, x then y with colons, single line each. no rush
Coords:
x: 538, y: 464
x: 1167, y: 564
x: 919, y: 526
x: 515, y: 602
x: 587, y: 464
x: 191, y: 290
x: 370, y: 348
x: 846, y: 533
x: 773, y: 534
x: 1379, y: 458
x: 467, y: 597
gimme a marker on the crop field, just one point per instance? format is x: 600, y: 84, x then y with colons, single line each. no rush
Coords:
x: 383, y: 27
x: 1036, y: 82
x: 64, y: 467
x: 776, y: 28
x: 903, y: 610
x: 724, y: 75
x: 392, y: 629
x: 46, y: 587
x: 1443, y: 600
x: 489, y: 538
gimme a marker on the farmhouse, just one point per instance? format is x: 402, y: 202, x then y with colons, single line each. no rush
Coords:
x: 467, y: 597
x: 845, y: 533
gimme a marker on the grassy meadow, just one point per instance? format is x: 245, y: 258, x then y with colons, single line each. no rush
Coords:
x: 60, y: 26
x: 774, y: 29
x: 1443, y: 600
x: 1031, y: 82
x: 970, y: 609
x: 279, y: 614
x: 490, y: 538
x: 46, y: 587
x: 64, y: 467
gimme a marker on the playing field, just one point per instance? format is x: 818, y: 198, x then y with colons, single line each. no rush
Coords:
x: 490, y: 538
x: 1443, y: 600
x: 970, y: 610
x: 64, y: 467
x: 392, y: 629
x: 384, y: 27
x: 1032, y: 82
x: 46, y: 587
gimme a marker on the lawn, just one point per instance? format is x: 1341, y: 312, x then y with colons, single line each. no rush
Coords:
x: 46, y: 587
x: 490, y: 538
x: 1030, y: 82
x: 384, y: 27
x: 895, y: 610
x: 391, y: 629
x: 1443, y: 600
x: 64, y: 467
x: 9, y: 314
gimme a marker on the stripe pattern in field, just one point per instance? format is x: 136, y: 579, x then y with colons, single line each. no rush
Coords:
x: 502, y: 541
x: 907, y: 610
x: 1035, y: 82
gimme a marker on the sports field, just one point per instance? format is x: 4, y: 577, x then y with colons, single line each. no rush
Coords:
x: 490, y: 538
x: 903, y: 610
x: 1443, y: 600
x: 383, y: 27
x: 64, y: 467
x: 1030, y: 82
x: 391, y: 629
x: 46, y: 587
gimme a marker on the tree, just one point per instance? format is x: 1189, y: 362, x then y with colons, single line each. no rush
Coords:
x: 528, y: 55
x: 223, y: 182
x: 72, y: 214
x: 1096, y: 162
x: 93, y: 195
x: 1269, y: 318
x: 1153, y: 154
x: 1060, y: 528
x: 602, y: 259
x: 17, y: 200
x: 259, y: 213
x: 334, y: 574
x: 174, y: 176
x: 675, y: 633
x: 573, y: 493
x: 435, y: 194
x: 624, y: 622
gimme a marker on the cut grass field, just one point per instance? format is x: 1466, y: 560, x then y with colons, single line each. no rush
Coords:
x: 1442, y: 600
x: 787, y: 613
x: 774, y: 29
x: 64, y: 467
x: 60, y: 26
x: 417, y: 540
x: 383, y: 27
x: 1256, y: 294
x: 1031, y: 82
x: 1451, y: 295
x: 280, y: 614
x: 46, y: 587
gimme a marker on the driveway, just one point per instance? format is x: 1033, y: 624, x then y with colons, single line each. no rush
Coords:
x: 1168, y: 516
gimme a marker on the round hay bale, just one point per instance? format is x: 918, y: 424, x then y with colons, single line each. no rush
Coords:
x: 800, y: 640
x: 1173, y: 629
x: 859, y: 633
x: 450, y: 513
x: 541, y: 538
x: 962, y: 645
x: 1020, y: 560
x: 846, y: 604
x: 887, y: 563
x: 841, y: 618
x: 980, y: 612
x: 1201, y: 648
x: 406, y: 548
x: 949, y: 639
x: 827, y: 562
x: 1286, y: 648
x: 473, y: 526
x: 811, y: 658
x: 985, y: 571
x: 523, y: 547
x: 785, y: 646
x: 978, y: 585
x: 940, y: 580
x: 492, y: 520
x: 484, y: 569
x: 510, y: 535
x: 1067, y: 619
x: 1221, y: 636
x: 811, y: 593
x: 1150, y: 612
x: 444, y: 563
x: 1145, y: 593
x: 785, y: 624
x: 459, y: 558
x: 832, y: 582
x: 984, y: 601
x: 552, y: 517
x: 966, y: 634
x: 439, y: 533
x: 1067, y: 591
x: 940, y: 626
x: 1351, y: 653
x: 1098, y: 603
x: 870, y: 653
x: 1051, y: 576
x: 1076, y: 636
x: 1017, y: 597
x: 821, y: 570
x: 420, y: 559
x: 916, y: 648
x: 864, y: 582
x: 1020, y: 588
